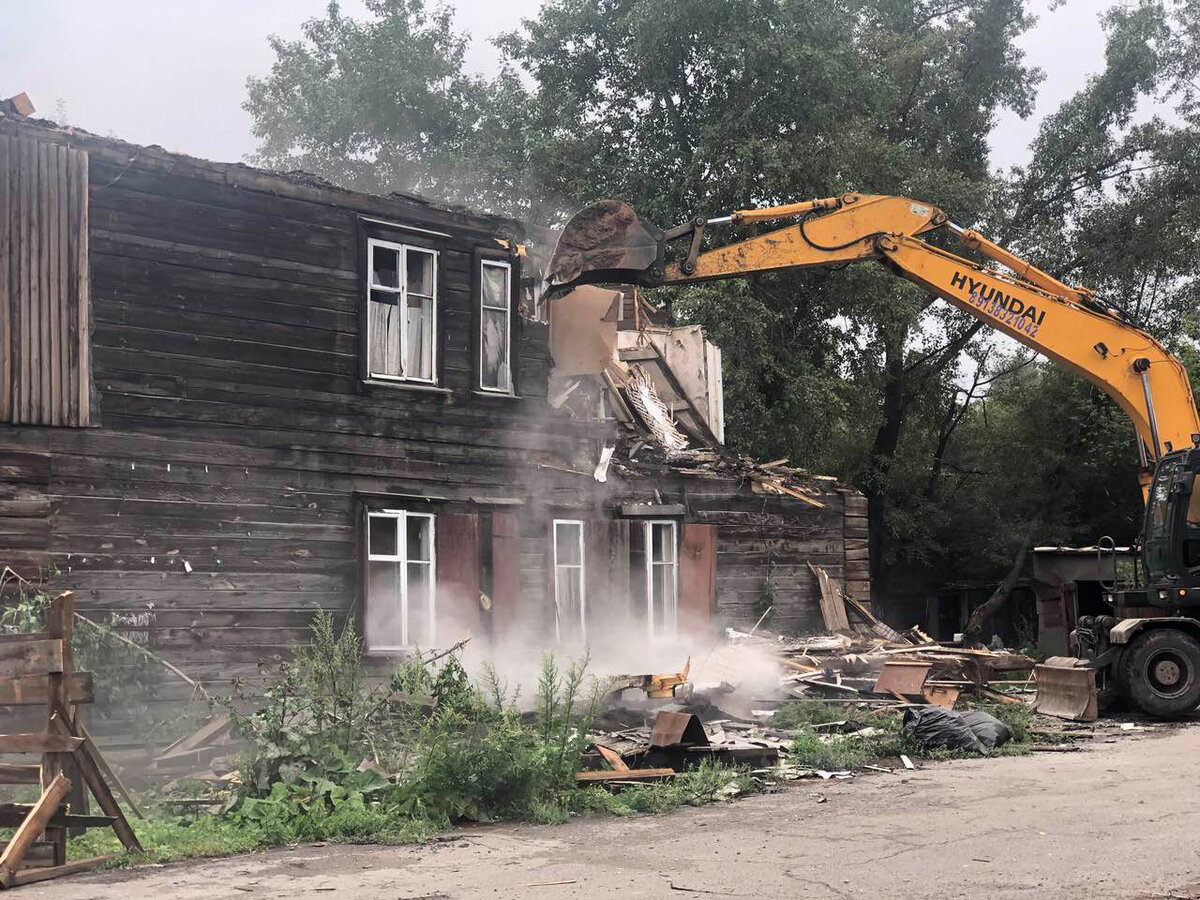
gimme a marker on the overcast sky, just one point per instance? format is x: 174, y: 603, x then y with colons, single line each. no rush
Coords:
x: 173, y: 73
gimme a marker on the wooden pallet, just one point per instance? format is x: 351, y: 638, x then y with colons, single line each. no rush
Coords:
x: 39, y: 669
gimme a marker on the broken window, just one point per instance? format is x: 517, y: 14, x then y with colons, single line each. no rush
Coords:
x: 400, y: 581
x: 662, y: 577
x: 401, y: 311
x: 495, y: 294
x: 569, y: 602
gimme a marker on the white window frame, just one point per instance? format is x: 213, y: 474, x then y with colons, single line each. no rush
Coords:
x: 651, y: 564
x: 400, y: 558
x: 582, y: 567
x: 402, y: 294
x: 507, y: 310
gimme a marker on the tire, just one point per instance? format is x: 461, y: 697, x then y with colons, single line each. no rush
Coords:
x: 1162, y: 668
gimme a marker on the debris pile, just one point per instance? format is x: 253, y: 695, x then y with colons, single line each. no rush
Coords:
x: 913, y: 669
x: 726, y: 713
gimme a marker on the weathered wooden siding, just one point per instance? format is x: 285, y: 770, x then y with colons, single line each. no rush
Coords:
x: 220, y: 494
x: 759, y: 534
x: 44, y: 314
x: 216, y: 504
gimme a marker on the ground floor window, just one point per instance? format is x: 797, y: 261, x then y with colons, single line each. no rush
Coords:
x: 569, y: 601
x: 662, y: 577
x: 400, y: 611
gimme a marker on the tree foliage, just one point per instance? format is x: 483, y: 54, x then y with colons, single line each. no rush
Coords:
x: 703, y: 107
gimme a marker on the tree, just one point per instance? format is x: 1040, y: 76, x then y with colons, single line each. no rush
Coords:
x: 704, y: 107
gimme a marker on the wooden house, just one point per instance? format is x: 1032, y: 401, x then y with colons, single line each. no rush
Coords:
x: 229, y: 397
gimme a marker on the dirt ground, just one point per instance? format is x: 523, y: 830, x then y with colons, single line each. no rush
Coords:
x: 1116, y: 820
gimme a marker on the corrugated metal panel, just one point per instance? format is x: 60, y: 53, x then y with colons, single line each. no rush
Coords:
x: 45, y: 367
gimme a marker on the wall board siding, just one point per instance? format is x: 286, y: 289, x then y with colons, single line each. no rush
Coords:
x: 44, y: 283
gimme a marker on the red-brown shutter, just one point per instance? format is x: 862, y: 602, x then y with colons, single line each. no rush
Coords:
x: 506, y: 574
x: 697, y: 579
x: 457, y: 538
x: 606, y: 564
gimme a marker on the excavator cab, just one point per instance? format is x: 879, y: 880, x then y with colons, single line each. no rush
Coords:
x: 1171, y: 532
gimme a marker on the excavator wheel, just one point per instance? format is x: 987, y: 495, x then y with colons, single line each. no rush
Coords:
x: 1162, y: 673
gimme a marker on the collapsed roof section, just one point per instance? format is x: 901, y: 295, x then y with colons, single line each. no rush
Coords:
x: 611, y: 360
x: 616, y: 358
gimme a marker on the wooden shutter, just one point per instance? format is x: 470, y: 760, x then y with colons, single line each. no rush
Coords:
x: 45, y: 366
x: 506, y: 574
x: 457, y: 604
x: 697, y: 579
x: 606, y: 562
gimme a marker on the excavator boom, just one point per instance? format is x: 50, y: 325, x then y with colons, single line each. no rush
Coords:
x: 1155, y: 660
x: 608, y: 242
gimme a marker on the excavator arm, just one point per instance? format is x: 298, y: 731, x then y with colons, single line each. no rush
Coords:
x: 607, y: 242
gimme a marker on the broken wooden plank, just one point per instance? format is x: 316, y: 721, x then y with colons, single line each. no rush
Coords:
x: 903, y: 677
x: 33, y: 824
x: 207, y: 734
x: 997, y: 697
x: 833, y: 610
x: 944, y: 696
x: 613, y: 758
x: 908, y: 763
x: 627, y: 776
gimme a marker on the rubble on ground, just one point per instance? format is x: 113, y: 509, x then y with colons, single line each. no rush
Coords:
x: 642, y: 735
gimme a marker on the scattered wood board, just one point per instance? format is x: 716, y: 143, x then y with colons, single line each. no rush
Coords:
x: 629, y: 776
x: 833, y: 609
x: 942, y: 695
x: 613, y: 758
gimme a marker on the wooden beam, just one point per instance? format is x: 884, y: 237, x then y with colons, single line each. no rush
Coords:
x: 627, y: 775
x: 31, y: 657
x: 38, y: 742
x: 30, y: 876
x: 12, y: 814
x: 106, y: 769
x: 34, y: 690
x: 32, y: 826
x: 90, y: 770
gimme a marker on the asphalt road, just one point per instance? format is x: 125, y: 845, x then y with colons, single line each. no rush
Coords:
x: 1117, y: 820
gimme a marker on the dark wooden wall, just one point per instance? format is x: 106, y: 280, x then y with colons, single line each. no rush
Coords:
x: 759, y: 534
x: 215, y: 504
x: 235, y: 439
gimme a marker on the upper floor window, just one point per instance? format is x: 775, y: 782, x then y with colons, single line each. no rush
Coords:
x: 401, y: 312
x: 495, y: 343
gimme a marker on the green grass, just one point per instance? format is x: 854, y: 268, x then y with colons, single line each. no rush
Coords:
x: 166, y: 839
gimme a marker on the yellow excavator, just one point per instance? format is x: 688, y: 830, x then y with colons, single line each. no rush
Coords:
x: 1148, y: 650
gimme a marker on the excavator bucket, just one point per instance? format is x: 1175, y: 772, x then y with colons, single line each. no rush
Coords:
x: 603, y: 243
x: 1066, y: 689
